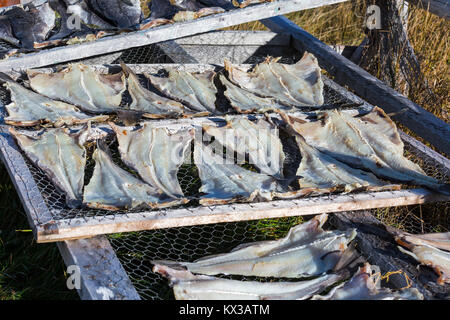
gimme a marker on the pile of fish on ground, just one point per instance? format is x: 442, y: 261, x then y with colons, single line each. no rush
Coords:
x: 59, y: 22
x: 304, y: 264
x: 340, y: 150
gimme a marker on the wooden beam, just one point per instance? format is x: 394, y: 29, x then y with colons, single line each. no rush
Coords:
x: 102, y: 276
x: 159, y: 34
x: 346, y: 73
x: 440, y: 8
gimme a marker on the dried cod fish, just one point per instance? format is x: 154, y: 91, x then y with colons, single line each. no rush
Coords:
x: 151, y: 104
x: 195, y: 90
x: 192, y: 15
x: 438, y: 240
x: 307, y: 250
x: 257, y: 139
x: 244, y: 101
x: 369, y: 142
x: 182, y: 10
x: 155, y: 154
x: 30, y: 24
x: 363, y: 287
x: 6, y: 33
x: 113, y: 188
x: 82, y: 86
x: 321, y: 173
x: 299, y: 84
x: 61, y: 155
x: 29, y: 109
x: 227, y: 182
x: 428, y: 255
x: 187, y: 286
x: 120, y: 13
x: 152, y: 23
x: 246, y: 3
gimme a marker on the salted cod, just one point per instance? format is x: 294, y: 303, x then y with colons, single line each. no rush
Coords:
x: 257, y: 139
x: 113, y: 188
x: 428, y: 255
x: 363, y: 287
x: 370, y: 142
x: 61, y: 155
x: 224, y: 182
x: 307, y: 250
x: 295, y: 85
x: 195, y: 90
x: 28, y: 108
x: 155, y: 154
x: 187, y: 286
x: 181, y: 10
x: 82, y: 86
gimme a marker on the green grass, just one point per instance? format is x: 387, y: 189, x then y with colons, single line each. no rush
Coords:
x: 27, y: 270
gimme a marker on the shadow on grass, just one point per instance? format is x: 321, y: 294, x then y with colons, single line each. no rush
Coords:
x: 28, y: 270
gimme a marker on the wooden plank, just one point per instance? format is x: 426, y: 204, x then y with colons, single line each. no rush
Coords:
x: 440, y: 8
x: 102, y: 276
x: 169, y: 218
x: 345, y: 72
x: 159, y: 34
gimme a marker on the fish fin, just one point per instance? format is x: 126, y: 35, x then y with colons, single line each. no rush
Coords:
x: 349, y: 258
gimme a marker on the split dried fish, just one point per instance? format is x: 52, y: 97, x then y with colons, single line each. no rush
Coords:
x: 31, y: 24
x: 151, y: 104
x: 29, y: 109
x: 6, y: 33
x: 152, y: 23
x: 369, y: 142
x: 120, y: 13
x: 82, y: 86
x: 155, y: 154
x: 192, y: 15
x: 113, y: 188
x: 321, y: 173
x: 363, y: 287
x: 430, y: 256
x: 187, y: 286
x: 259, y: 140
x: 182, y: 10
x: 307, y: 250
x: 244, y: 101
x: 196, y: 90
x: 438, y: 240
x: 61, y: 155
x: 224, y: 182
x: 299, y: 84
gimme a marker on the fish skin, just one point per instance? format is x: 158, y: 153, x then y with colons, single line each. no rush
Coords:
x: 258, y: 140
x: 152, y: 104
x: 226, y: 182
x: 362, y: 287
x: 187, y: 286
x: 6, y: 33
x: 61, y: 156
x: 29, y: 109
x: 120, y: 13
x: 80, y: 85
x: 33, y: 25
x: 122, y: 190
x: 294, y: 85
x: 439, y: 240
x: 305, y: 251
x: 430, y: 256
x: 195, y: 90
x: 168, y: 8
x: 172, y: 148
x: 370, y: 142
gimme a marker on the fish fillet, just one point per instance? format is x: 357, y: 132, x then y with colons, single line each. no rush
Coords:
x: 155, y: 154
x: 187, y: 286
x: 113, y: 188
x: 370, y: 142
x: 363, y: 287
x: 307, y: 250
x: 195, y: 90
x: 29, y: 109
x: 428, y: 255
x: 298, y: 85
x: 61, y: 156
x: 80, y: 85
x: 244, y: 101
x: 226, y: 182
x: 257, y: 139
x: 152, y: 104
